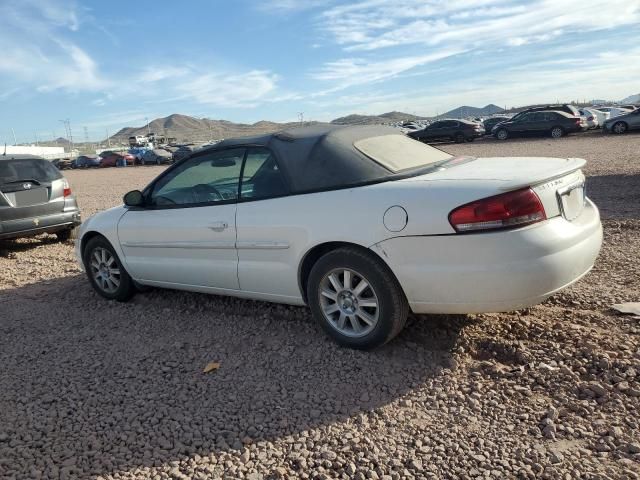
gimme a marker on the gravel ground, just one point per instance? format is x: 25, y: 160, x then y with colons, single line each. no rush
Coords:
x: 93, y: 389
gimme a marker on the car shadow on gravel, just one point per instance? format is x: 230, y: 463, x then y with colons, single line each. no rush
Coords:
x: 617, y: 196
x: 11, y: 247
x: 103, y: 387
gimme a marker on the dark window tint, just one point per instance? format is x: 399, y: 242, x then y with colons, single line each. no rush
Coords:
x: 261, y: 177
x: 28, y: 169
x: 435, y: 125
x: 538, y: 117
x: 202, y: 179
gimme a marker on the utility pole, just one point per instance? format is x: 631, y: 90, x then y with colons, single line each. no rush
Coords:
x: 108, y: 138
x: 67, y: 126
x: 301, y: 117
x: 15, y: 142
x: 35, y: 134
x: 86, y: 137
x: 148, y: 129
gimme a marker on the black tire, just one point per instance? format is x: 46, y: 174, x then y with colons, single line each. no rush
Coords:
x: 469, y: 139
x: 126, y: 289
x: 458, y: 137
x: 502, y: 134
x: 392, y: 304
x: 66, y: 235
x: 619, y: 128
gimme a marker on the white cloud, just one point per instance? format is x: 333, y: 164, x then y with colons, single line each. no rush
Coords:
x: 36, y: 49
x: 375, y: 24
x: 229, y: 90
x: 350, y: 71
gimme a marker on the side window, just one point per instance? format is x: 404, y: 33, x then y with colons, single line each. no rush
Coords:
x: 261, y: 177
x: 434, y: 125
x: 208, y: 178
x: 538, y: 117
x: 526, y: 117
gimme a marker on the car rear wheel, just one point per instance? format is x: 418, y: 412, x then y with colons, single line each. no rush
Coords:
x: 356, y: 299
x: 619, y: 127
x: 469, y: 139
x: 557, y: 132
x: 105, y: 271
x: 458, y: 137
x: 502, y: 134
x: 66, y: 235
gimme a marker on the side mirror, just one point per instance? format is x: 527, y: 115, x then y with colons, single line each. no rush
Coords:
x: 134, y: 198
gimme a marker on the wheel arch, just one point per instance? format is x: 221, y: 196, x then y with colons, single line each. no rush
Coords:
x: 313, y: 255
x: 88, y: 236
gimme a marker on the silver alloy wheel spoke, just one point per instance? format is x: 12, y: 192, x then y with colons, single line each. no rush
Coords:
x: 348, y: 302
x: 105, y: 270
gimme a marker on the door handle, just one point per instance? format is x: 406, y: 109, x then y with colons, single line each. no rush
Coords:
x: 218, y: 226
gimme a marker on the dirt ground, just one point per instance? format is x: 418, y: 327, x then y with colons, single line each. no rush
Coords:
x: 97, y: 389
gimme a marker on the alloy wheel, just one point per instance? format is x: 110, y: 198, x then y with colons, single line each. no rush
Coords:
x: 348, y: 302
x: 556, y: 132
x: 619, y: 127
x: 502, y: 134
x: 105, y: 270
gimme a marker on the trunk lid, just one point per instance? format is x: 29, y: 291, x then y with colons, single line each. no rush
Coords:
x: 559, y: 182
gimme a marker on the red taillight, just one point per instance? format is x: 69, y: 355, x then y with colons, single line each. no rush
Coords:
x: 66, y: 191
x: 512, y: 209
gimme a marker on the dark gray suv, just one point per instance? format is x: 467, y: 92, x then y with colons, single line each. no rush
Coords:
x: 35, y: 198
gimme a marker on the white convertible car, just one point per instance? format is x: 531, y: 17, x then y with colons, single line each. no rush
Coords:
x: 363, y: 224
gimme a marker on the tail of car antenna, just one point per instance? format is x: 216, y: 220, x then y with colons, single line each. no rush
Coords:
x: 5, y: 149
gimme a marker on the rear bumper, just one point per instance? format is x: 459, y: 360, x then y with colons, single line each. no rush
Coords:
x: 494, y: 272
x: 25, y: 227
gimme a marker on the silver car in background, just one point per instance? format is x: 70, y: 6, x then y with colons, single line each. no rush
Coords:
x: 623, y: 123
x: 35, y: 198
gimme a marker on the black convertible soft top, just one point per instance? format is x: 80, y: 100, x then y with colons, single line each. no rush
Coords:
x: 322, y: 156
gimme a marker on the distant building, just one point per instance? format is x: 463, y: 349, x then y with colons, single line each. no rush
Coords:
x: 50, y: 153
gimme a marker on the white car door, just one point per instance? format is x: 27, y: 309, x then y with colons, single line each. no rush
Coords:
x: 268, y: 236
x: 186, y: 233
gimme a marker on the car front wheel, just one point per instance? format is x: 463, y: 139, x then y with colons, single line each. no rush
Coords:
x: 105, y: 271
x: 619, y: 128
x: 502, y: 134
x: 356, y: 299
x: 458, y: 138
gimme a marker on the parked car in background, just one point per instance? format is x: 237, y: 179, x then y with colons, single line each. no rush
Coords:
x: 86, y: 161
x: 231, y: 218
x: 455, y: 130
x: 156, y: 156
x: 112, y: 159
x: 613, y: 111
x: 491, y: 122
x: 137, y: 152
x: 553, y: 123
x: 600, y: 116
x: 623, y: 123
x: 563, y: 107
x: 183, y: 151
x: 590, y: 118
x: 35, y: 198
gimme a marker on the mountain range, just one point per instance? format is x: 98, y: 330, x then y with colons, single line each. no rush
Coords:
x: 185, y: 128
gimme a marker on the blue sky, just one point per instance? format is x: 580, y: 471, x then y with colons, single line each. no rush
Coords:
x: 109, y: 64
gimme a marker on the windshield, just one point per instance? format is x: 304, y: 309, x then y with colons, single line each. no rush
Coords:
x: 398, y: 153
x: 17, y: 170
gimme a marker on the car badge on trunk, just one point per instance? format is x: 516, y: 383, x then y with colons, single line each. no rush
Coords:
x: 26, y: 186
x: 36, y: 222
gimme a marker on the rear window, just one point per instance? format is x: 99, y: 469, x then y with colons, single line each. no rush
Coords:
x: 27, y: 169
x: 399, y: 152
